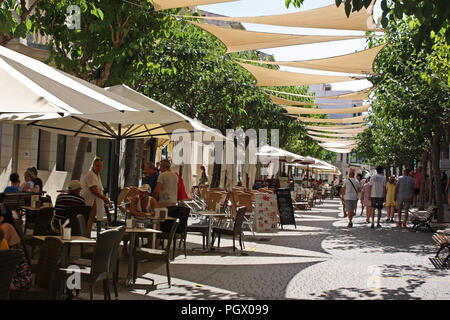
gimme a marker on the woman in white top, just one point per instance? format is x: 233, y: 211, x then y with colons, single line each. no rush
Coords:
x: 93, y: 192
x: 28, y: 185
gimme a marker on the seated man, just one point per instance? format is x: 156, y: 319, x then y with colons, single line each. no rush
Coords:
x: 15, y: 184
x: 66, y: 200
x: 142, y: 203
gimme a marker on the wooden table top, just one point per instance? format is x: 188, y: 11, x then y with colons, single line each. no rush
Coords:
x: 73, y: 239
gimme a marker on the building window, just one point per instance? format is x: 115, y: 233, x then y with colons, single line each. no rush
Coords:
x: 61, y: 152
x: 342, y: 157
x: 89, y: 147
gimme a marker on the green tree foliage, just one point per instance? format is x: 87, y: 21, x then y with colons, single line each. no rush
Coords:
x: 411, y: 99
x: 111, y: 34
x: 13, y: 19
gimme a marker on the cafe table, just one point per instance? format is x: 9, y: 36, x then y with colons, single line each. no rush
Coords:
x: 210, y: 215
x: 67, y: 243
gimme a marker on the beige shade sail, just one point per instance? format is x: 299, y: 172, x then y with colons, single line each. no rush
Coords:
x: 349, y: 128
x: 359, y: 62
x: 336, y: 135
x: 343, y: 120
x: 297, y: 110
x: 170, y: 4
x: 321, y: 139
x: 357, y: 95
x: 287, y: 102
x: 350, y: 144
x: 329, y: 17
x: 340, y: 150
x: 275, y: 78
x: 236, y: 40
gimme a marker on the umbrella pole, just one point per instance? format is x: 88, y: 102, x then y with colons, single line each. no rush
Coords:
x: 117, y: 172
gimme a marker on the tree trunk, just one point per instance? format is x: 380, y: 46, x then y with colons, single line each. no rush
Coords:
x: 79, y: 158
x: 215, y: 181
x: 130, y: 163
x: 424, y: 162
x: 436, y: 174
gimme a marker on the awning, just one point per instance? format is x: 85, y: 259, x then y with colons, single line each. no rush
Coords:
x: 242, y: 40
x: 357, y: 95
x: 298, y: 110
x: 170, y: 4
x: 359, y: 62
x: 343, y: 120
x: 275, y: 78
x: 329, y: 17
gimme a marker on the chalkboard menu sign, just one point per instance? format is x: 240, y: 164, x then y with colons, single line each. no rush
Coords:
x: 285, y: 208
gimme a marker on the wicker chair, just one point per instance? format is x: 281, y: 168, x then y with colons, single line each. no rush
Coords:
x: 46, y: 281
x: 8, y: 263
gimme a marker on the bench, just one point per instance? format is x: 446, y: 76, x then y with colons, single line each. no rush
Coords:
x: 442, y: 239
x: 422, y: 219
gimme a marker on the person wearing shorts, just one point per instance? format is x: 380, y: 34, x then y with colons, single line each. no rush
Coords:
x: 349, y: 195
x: 377, y: 191
x: 365, y: 200
x: 403, y: 195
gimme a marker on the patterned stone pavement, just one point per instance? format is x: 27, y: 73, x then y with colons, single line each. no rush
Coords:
x: 320, y: 259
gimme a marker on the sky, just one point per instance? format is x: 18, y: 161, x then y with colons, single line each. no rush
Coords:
x: 247, y: 8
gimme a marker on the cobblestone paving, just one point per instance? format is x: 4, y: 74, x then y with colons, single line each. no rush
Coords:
x: 319, y: 259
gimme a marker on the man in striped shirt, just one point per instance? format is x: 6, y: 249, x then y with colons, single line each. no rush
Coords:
x: 66, y: 200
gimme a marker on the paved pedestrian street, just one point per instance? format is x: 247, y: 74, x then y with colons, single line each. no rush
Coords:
x: 320, y: 259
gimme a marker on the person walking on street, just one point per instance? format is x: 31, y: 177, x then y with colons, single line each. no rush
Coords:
x: 377, y: 193
x: 404, y: 192
x: 359, y: 177
x: 349, y: 195
x: 417, y: 180
x: 365, y: 200
x: 390, y: 198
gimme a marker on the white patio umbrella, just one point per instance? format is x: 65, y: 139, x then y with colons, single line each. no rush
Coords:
x: 31, y: 89
x: 150, y: 120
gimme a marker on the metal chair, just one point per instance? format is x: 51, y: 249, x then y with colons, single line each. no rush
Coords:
x: 100, y: 264
x: 182, y: 213
x: 8, y: 263
x: 114, y: 260
x: 156, y: 254
x: 236, y: 230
